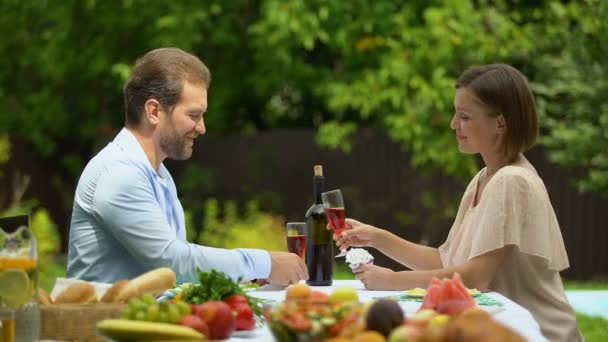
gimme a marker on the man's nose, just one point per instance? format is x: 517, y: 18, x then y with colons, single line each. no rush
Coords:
x: 200, y: 127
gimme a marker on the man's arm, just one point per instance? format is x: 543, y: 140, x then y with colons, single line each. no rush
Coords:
x: 125, y: 204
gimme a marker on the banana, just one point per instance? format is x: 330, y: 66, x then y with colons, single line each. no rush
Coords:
x: 127, y: 330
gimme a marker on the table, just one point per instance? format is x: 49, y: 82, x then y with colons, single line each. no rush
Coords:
x: 511, y: 314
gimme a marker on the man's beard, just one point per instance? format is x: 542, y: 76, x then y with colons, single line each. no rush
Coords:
x: 173, y: 144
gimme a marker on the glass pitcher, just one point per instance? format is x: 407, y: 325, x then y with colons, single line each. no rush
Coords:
x: 19, y: 310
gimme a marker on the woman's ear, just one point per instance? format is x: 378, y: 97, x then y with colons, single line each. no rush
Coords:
x: 501, y: 124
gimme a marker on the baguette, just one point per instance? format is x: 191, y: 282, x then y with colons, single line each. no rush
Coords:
x: 112, y: 293
x: 77, y: 293
x: 43, y: 297
x: 154, y: 282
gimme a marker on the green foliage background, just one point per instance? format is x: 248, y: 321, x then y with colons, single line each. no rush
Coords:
x: 332, y: 65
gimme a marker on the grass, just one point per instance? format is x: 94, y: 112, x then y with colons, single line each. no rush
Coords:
x: 594, y: 329
x: 582, y: 285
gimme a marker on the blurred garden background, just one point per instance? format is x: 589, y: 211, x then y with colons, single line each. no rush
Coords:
x: 364, y: 88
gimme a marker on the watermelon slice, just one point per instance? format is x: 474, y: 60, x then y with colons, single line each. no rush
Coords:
x: 444, y: 291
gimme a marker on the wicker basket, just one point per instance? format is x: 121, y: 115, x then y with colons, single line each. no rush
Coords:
x: 75, y: 322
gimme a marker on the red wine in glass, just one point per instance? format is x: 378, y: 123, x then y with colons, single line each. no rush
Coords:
x: 336, y: 218
x: 297, y: 244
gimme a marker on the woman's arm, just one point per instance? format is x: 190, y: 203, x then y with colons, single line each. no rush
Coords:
x: 414, y: 256
x: 409, y: 254
x: 476, y: 273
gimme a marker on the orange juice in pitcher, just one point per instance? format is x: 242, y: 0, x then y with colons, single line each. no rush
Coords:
x: 19, y: 311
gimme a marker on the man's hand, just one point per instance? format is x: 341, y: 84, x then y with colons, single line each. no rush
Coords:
x: 287, y: 268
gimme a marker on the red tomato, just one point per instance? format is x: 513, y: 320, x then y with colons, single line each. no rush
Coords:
x: 236, y: 299
x: 242, y: 312
x: 299, y: 322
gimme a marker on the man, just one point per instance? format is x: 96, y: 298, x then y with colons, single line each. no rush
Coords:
x: 127, y: 218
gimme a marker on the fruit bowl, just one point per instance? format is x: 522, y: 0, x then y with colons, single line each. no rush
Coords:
x: 307, y: 321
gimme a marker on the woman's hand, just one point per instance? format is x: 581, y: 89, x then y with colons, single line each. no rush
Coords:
x: 357, y: 234
x: 375, y: 277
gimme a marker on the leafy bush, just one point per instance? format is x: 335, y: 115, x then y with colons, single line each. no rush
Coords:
x: 224, y: 227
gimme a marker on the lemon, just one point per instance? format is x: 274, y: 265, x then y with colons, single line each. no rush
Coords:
x: 474, y: 292
x: 416, y: 292
x: 15, y: 287
x: 344, y: 294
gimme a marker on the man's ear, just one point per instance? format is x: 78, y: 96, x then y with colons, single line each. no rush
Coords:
x: 501, y: 124
x: 152, y: 110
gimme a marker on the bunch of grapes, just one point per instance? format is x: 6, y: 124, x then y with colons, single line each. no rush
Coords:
x: 147, y: 309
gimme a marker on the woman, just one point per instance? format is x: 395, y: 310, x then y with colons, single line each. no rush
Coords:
x: 505, y: 237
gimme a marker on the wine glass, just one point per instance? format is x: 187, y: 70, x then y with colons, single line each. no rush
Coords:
x: 19, y: 312
x: 334, y: 209
x: 296, y: 238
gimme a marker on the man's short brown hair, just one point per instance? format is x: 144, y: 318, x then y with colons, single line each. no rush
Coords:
x: 505, y: 90
x: 160, y: 75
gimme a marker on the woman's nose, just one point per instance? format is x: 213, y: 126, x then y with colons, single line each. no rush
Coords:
x: 453, y: 122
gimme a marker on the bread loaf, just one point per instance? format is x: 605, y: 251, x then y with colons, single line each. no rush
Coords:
x: 43, y: 297
x: 154, y: 282
x: 77, y: 293
x: 112, y: 293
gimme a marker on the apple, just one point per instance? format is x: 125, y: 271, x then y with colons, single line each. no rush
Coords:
x: 421, y: 318
x: 219, y: 318
x: 196, y: 323
x: 439, y: 320
x: 404, y: 333
x: 195, y: 309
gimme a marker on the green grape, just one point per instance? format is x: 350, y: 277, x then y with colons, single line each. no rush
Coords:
x: 162, y: 317
x: 126, y: 314
x: 153, y: 313
x: 140, y: 316
x: 136, y: 305
x: 183, y: 307
x: 148, y: 298
x: 173, y: 314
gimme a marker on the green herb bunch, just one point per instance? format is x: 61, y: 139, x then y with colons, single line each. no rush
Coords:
x: 216, y: 285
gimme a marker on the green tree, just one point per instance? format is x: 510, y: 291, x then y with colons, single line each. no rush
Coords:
x: 331, y: 65
x: 571, y: 83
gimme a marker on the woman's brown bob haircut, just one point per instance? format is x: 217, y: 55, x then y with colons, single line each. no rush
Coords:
x: 160, y: 75
x: 504, y: 90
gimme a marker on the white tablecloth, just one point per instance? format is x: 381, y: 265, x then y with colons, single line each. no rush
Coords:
x: 511, y: 314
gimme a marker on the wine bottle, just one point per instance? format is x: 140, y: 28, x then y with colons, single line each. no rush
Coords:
x: 319, y: 245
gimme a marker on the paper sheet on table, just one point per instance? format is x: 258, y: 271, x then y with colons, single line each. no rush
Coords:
x: 62, y: 283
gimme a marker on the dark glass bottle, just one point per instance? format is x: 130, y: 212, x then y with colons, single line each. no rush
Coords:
x: 319, y: 246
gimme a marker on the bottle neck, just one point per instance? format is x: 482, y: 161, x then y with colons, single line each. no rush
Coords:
x: 317, y: 188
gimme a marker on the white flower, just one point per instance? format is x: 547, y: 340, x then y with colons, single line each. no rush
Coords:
x: 357, y: 257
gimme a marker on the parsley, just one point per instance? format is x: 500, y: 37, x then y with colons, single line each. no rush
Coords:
x: 216, y: 285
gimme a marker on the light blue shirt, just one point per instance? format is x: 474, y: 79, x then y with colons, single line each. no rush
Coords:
x: 127, y: 220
